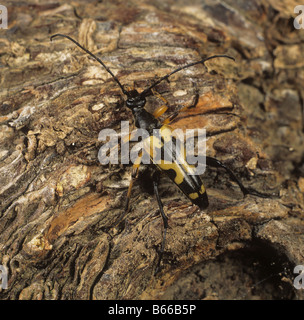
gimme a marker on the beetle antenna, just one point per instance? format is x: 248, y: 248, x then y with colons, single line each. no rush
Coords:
x: 146, y: 91
x: 92, y: 55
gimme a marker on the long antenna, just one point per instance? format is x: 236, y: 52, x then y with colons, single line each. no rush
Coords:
x: 92, y: 55
x: 145, y: 92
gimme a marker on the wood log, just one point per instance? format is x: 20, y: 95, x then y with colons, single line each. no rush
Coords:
x: 59, y: 205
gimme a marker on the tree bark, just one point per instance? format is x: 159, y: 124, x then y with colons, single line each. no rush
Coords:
x: 59, y: 206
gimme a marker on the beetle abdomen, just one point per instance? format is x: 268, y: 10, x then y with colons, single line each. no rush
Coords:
x: 163, y: 153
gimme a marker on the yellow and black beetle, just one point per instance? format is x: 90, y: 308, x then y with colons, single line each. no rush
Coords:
x: 190, y: 185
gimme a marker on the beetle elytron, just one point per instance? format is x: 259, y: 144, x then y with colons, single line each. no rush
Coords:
x: 190, y: 185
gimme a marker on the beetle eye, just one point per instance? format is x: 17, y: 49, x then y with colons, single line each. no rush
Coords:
x: 130, y: 102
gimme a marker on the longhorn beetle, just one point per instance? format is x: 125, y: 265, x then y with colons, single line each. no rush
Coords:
x: 190, y: 185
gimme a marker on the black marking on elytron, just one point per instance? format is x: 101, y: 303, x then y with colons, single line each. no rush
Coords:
x: 191, y: 185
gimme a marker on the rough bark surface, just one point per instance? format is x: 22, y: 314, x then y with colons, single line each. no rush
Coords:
x: 59, y: 205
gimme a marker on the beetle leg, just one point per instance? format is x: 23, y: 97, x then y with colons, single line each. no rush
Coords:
x: 176, y: 113
x: 162, y: 109
x: 134, y: 175
x: 158, y: 95
x: 212, y: 162
x: 165, y: 221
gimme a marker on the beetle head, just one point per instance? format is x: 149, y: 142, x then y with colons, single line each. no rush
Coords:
x: 135, y: 100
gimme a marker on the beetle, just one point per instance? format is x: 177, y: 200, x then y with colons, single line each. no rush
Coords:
x: 191, y: 185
